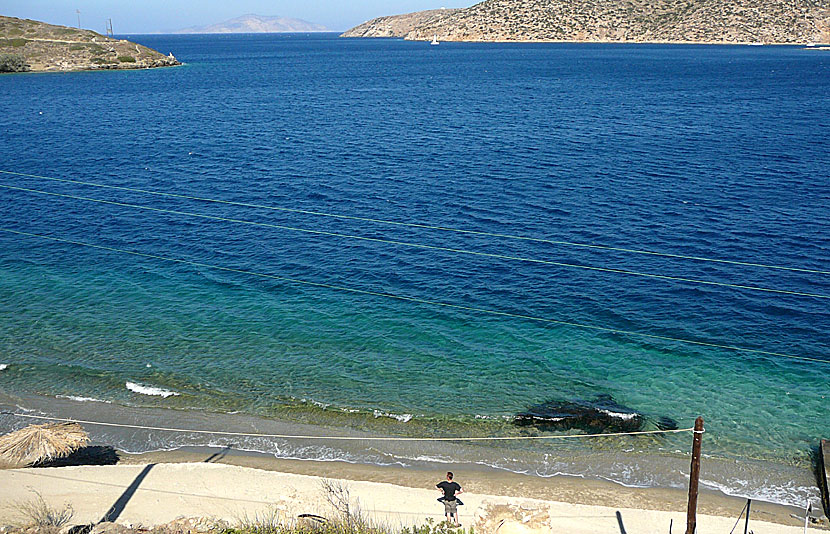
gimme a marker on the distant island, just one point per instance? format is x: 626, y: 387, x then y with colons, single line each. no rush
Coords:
x: 656, y: 21
x: 29, y: 45
x: 258, y: 24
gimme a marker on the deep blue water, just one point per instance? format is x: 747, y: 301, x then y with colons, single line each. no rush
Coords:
x: 707, y: 151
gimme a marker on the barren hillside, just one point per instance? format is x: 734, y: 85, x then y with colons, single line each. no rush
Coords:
x: 713, y: 21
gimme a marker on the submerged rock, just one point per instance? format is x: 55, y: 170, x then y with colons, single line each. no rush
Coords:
x: 603, y: 414
x: 666, y: 423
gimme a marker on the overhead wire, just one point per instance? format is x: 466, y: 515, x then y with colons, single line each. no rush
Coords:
x: 424, y: 225
x: 421, y: 300
x: 424, y: 246
x: 352, y: 438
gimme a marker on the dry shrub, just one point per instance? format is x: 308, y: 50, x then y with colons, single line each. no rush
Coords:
x: 38, y: 513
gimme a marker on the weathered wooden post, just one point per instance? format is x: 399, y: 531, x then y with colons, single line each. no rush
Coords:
x: 694, y: 478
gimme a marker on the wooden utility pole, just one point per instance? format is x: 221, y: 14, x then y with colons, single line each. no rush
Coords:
x: 78, y: 11
x: 694, y: 478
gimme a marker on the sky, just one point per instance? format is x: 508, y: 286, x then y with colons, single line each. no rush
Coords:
x: 153, y: 16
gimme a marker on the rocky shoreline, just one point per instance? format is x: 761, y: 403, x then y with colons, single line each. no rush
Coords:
x: 662, y: 21
x: 32, y: 46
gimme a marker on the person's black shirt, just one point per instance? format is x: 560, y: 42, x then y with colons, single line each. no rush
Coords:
x: 449, y: 489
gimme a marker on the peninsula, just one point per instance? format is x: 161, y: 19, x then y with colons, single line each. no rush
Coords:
x: 656, y: 21
x: 29, y: 45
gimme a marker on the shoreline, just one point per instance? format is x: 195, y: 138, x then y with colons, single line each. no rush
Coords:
x: 586, y: 41
x: 94, y: 69
x: 230, y: 484
x: 651, y: 465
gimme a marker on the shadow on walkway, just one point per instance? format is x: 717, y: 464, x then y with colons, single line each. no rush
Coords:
x: 116, y: 509
x: 620, y: 521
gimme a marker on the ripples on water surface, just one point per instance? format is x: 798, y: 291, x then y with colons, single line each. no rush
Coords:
x: 693, y: 150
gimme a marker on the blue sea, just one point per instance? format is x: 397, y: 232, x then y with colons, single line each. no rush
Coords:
x: 310, y: 182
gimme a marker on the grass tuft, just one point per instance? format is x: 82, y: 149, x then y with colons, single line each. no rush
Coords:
x: 38, y: 513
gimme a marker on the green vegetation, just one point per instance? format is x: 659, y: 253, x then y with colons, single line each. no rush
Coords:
x: 126, y: 59
x: 272, y: 525
x: 17, y: 43
x: 14, y: 31
x: 13, y: 63
x: 431, y: 527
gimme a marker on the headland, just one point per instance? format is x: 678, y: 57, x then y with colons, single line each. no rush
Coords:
x: 33, y: 46
x: 663, y: 21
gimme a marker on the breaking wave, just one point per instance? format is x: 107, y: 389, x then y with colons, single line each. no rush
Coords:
x: 150, y: 390
x: 82, y: 399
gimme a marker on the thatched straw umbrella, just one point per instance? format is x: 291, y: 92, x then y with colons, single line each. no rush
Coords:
x: 42, y: 443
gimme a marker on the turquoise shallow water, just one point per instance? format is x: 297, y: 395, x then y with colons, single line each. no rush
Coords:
x: 702, y: 151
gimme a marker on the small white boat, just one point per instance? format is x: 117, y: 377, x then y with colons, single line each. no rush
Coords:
x: 434, y: 40
x: 811, y: 45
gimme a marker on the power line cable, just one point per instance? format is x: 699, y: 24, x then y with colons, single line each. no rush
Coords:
x: 420, y: 300
x: 425, y: 226
x: 427, y: 247
x: 350, y: 438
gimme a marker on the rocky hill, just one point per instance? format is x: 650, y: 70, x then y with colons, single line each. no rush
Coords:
x: 699, y: 21
x: 258, y: 24
x: 36, y: 46
x: 397, y: 25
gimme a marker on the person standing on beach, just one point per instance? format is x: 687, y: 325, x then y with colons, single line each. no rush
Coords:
x: 450, y: 489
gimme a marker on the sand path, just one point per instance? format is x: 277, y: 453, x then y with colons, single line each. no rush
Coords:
x: 158, y: 493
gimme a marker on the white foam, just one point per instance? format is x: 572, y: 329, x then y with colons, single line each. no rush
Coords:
x: 618, y: 415
x: 494, y: 417
x: 4, y: 366
x: 82, y: 399
x: 790, y: 494
x: 150, y: 390
x: 403, y: 418
x: 425, y: 458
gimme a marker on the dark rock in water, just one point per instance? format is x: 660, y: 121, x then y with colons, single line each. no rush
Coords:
x: 667, y: 423
x: 603, y: 414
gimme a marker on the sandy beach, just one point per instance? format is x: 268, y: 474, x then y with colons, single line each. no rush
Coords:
x: 157, y: 488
